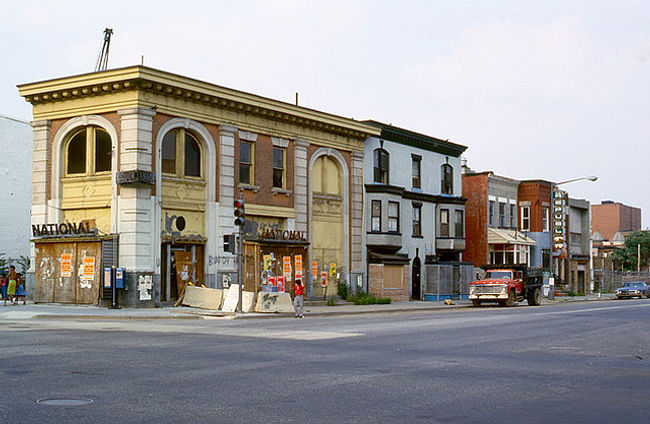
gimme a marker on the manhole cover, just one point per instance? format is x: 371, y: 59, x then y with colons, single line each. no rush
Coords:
x: 64, y: 402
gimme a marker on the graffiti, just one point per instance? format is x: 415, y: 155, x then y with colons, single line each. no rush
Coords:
x: 222, y: 260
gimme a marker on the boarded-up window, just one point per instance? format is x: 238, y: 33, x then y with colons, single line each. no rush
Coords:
x: 393, y: 276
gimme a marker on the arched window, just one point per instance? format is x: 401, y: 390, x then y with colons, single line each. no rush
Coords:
x: 88, y: 152
x: 181, y: 154
x: 446, y: 179
x: 380, y: 166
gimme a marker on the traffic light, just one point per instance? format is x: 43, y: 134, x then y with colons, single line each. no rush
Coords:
x: 240, y: 215
x: 229, y: 243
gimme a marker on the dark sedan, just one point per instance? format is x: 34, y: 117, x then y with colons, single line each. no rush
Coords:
x: 633, y: 289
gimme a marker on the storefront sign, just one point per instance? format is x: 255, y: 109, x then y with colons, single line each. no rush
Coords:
x: 88, y: 268
x: 66, y: 265
x: 284, y: 235
x: 67, y: 229
x: 558, y: 220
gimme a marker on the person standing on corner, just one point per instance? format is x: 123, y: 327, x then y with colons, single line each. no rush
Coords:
x: 299, y: 299
x: 12, y: 277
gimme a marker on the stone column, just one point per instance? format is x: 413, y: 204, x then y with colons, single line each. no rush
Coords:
x: 356, y: 212
x: 135, y: 204
x: 226, y: 197
x: 40, y: 171
x: 301, y: 198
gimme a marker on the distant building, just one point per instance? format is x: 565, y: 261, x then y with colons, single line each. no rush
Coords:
x: 493, y: 236
x: 15, y: 189
x: 610, y: 217
x: 578, y: 229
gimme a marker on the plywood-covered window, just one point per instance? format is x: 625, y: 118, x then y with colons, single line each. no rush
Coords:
x: 393, y: 277
x: 88, y: 152
x: 326, y: 177
x: 181, y: 154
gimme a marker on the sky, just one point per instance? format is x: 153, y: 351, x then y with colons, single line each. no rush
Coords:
x: 536, y: 89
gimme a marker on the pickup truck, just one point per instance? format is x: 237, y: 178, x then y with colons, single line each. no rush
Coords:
x: 507, y: 284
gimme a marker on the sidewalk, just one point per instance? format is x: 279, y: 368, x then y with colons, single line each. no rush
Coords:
x: 91, y: 312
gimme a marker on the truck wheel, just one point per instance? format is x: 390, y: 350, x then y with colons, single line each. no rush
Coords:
x: 512, y: 298
x: 476, y: 302
x: 535, y: 297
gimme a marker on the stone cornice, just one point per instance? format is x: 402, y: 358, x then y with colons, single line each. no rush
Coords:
x: 148, y: 80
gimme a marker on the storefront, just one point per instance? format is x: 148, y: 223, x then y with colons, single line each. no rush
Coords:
x: 69, y: 259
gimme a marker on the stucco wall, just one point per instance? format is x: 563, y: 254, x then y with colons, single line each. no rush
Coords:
x: 16, y: 188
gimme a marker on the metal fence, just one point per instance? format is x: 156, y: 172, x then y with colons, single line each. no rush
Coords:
x: 447, y: 281
x: 609, y: 275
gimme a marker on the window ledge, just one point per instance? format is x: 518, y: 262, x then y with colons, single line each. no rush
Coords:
x: 251, y: 187
x: 278, y: 190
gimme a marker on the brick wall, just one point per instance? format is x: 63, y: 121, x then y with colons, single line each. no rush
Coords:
x: 475, y: 188
x: 376, y: 283
x: 609, y: 218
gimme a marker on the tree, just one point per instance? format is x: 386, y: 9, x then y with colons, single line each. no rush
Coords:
x: 628, y: 254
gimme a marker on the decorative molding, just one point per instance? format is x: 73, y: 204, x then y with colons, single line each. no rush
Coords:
x: 248, y: 136
x: 280, y: 142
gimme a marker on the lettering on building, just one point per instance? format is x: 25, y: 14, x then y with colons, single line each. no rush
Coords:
x: 63, y: 229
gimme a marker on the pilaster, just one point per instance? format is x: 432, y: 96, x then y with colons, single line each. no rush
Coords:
x: 356, y: 209
x: 135, y: 203
x: 301, y: 198
x: 40, y: 171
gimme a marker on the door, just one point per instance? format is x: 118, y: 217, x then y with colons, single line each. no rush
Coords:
x: 415, y: 279
x: 182, y: 263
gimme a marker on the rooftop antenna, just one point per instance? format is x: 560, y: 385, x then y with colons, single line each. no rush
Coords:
x: 102, y: 61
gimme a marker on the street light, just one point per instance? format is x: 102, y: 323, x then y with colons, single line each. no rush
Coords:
x: 551, y: 280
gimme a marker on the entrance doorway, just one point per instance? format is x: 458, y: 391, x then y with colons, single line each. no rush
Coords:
x: 182, y: 263
x: 415, y: 279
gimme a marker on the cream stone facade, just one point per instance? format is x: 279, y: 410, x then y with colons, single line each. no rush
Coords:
x: 150, y: 162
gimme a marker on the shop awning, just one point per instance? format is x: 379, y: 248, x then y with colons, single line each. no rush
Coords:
x: 503, y: 236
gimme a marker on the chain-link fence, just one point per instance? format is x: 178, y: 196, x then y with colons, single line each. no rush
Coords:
x: 609, y: 275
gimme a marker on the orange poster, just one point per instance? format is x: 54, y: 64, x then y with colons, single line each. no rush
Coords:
x: 66, y: 265
x: 314, y: 270
x: 89, y: 268
x: 286, y: 265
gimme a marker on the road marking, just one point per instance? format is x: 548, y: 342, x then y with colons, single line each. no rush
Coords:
x: 602, y: 308
x: 303, y: 335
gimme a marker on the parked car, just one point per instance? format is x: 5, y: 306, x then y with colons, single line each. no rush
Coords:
x: 633, y: 289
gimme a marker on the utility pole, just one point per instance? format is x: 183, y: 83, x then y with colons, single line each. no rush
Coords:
x: 102, y: 60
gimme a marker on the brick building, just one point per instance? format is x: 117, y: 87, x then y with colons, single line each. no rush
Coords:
x: 610, y: 218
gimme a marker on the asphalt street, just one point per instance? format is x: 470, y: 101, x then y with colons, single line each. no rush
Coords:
x: 574, y: 362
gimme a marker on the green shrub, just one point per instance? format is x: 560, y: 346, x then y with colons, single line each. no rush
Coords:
x: 343, y: 290
x: 331, y: 301
x: 362, y: 298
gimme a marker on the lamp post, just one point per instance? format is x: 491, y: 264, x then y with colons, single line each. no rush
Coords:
x: 551, y: 280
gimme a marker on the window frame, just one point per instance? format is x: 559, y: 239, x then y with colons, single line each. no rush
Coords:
x: 90, y: 152
x: 546, y: 219
x: 283, y: 151
x: 251, y: 164
x: 502, y: 214
x: 446, y: 179
x: 416, y: 229
x: 525, y: 218
x: 444, y: 223
x: 416, y: 171
x: 381, y: 175
x: 375, y: 218
x: 491, y: 211
x: 181, y: 136
x: 459, y: 227
x: 513, y: 216
x: 392, y: 218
